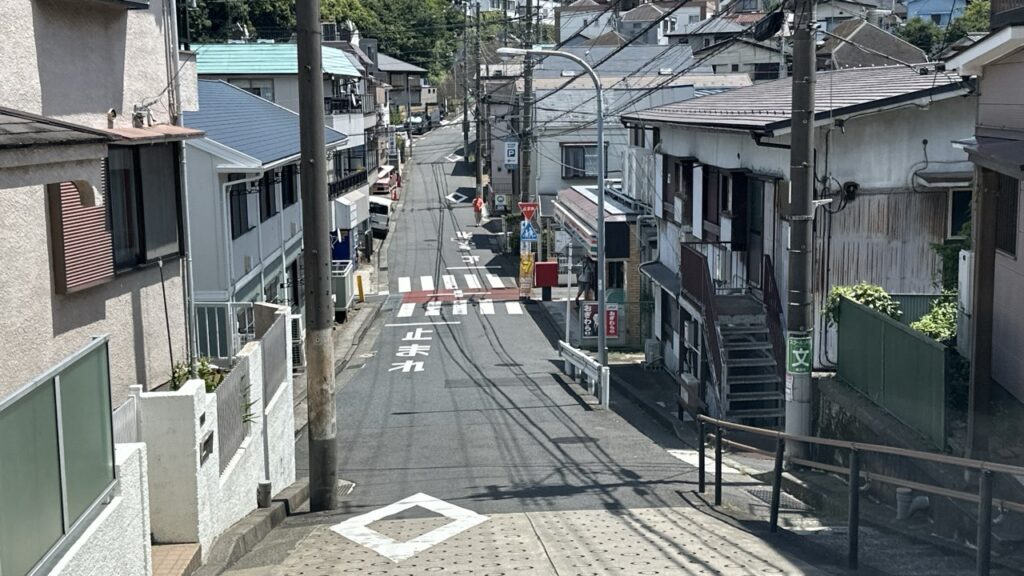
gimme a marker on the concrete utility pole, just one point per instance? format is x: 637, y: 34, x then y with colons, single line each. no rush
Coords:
x: 479, y: 112
x: 800, y: 320
x: 323, y: 425
x: 465, y: 81
x: 526, y: 129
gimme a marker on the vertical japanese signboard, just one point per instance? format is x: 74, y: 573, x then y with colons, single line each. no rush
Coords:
x: 590, y: 316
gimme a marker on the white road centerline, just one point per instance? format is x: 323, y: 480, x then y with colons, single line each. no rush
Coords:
x: 427, y: 282
x: 472, y: 281
x: 486, y: 307
x: 406, y: 310
x: 449, y: 282
x: 404, y: 284
x: 494, y: 281
x: 459, y: 308
x: 513, y: 308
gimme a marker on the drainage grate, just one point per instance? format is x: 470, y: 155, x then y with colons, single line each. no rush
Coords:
x: 391, y: 302
x: 786, y: 502
x: 488, y: 383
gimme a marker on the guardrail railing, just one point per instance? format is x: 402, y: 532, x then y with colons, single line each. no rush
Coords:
x: 595, y: 376
x: 983, y: 498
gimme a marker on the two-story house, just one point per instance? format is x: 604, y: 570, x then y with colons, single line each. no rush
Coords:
x: 718, y: 171
x: 246, y: 211
x: 669, y: 15
x: 992, y: 286
x: 409, y: 89
x: 92, y: 234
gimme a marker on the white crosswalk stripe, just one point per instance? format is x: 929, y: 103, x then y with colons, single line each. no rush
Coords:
x: 427, y: 282
x: 472, y: 281
x: 459, y: 308
x: 433, y: 308
x: 494, y: 281
x: 404, y: 284
x: 513, y: 308
x: 486, y: 307
x: 449, y: 282
x: 406, y: 310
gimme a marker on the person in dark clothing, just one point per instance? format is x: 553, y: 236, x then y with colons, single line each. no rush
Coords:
x: 585, y: 278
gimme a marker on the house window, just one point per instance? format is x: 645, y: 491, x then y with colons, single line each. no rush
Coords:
x: 239, y: 206
x: 579, y: 161
x: 616, y: 277
x: 1007, y: 196
x: 289, y: 186
x: 668, y: 310
x: 937, y: 19
x: 735, y: 67
x: 707, y: 42
x: 268, y: 196
x: 262, y: 87
x: 143, y: 193
x: 959, y: 212
x: 637, y: 137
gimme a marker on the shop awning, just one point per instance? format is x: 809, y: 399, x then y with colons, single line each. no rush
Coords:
x: 576, y: 210
x: 351, y: 210
x: 154, y: 134
x: 662, y: 276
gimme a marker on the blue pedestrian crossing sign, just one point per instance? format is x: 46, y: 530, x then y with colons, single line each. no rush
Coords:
x: 526, y: 231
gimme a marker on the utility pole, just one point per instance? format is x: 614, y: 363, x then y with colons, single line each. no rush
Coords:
x: 323, y: 425
x: 800, y: 317
x: 479, y: 112
x: 465, y: 80
x: 526, y: 128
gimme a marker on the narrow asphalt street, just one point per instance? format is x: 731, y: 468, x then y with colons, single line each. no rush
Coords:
x: 469, y: 452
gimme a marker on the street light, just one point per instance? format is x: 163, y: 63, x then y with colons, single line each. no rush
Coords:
x: 602, y: 348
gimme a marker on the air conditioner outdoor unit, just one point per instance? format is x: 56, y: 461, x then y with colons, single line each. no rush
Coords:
x: 298, y: 329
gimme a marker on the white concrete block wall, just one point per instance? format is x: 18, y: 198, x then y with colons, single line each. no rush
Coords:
x: 117, y: 542
x: 281, y: 437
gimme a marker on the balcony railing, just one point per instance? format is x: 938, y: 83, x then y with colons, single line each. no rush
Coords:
x: 347, y: 183
x: 57, y: 449
x: 349, y: 104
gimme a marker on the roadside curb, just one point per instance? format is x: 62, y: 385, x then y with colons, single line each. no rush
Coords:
x: 657, y: 412
x: 244, y: 535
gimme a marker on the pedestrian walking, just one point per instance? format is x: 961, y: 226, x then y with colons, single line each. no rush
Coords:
x: 478, y: 209
x: 585, y: 279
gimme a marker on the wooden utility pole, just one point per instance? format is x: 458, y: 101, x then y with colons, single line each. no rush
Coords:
x: 526, y: 129
x: 800, y: 316
x: 479, y: 112
x: 319, y: 317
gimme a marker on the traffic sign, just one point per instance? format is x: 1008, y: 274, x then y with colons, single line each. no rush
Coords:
x: 528, y: 209
x: 526, y: 231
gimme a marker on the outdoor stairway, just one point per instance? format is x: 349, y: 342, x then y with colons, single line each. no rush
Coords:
x: 753, y: 391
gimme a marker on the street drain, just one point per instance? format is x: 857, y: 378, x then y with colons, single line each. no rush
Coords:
x: 786, y: 502
x: 488, y: 383
x: 575, y: 440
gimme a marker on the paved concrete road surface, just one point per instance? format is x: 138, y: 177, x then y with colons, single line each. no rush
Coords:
x: 469, y: 453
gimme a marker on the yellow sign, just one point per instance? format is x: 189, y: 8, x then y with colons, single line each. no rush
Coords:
x: 525, y: 274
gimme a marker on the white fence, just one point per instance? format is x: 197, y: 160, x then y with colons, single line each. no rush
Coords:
x: 126, y: 422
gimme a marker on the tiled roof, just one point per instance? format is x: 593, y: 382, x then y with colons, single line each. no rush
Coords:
x: 767, y: 107
x: 386, y: 63
x: 249, y: 124
x: 22, y: 130
x: 643, y: 13
x: 630, y: 59
x: 710, y: 26
x: 862, y: 33
x: 265, y: 59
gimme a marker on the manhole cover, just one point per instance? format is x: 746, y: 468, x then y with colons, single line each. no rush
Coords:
x: 786, y: 502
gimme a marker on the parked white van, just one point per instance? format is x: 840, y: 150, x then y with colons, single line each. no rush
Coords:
x: 380, y: 215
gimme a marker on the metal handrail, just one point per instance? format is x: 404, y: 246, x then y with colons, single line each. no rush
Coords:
x: 773, y: 309
x: 983, y: 498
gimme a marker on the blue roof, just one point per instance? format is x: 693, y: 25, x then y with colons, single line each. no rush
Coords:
x: 249, y: 124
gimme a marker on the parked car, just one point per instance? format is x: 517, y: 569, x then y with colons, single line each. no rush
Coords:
x: 417, y: 124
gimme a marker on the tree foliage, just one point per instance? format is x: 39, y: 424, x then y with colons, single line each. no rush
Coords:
x: 870, y: 295
x: 940, y: 322
x: 922, y: 33
x: 974, y: 19
x: 933, y: 39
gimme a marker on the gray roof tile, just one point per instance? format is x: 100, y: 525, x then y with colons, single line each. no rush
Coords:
x: 249, y: 124
x: 767, y: 106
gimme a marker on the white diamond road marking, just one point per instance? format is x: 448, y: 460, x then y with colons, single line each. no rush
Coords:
x: 513, y: 308
x: 449, y: 282
x: 494, y: 281
x: 357, y: 529
x: 433, y: 308
x: 404, y: 284
x: 472, y: 281
x: 427, y: 282
x: 459, y: 308
x: 456, y: 198
x: 406, y: 310
x: 487, y: 307
x: 693, y: 459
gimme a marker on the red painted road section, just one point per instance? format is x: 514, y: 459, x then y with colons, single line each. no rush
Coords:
x: 495, y: 294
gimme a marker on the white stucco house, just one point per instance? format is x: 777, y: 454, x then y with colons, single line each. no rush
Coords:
x: 246, y: 211
x: 715, y: 173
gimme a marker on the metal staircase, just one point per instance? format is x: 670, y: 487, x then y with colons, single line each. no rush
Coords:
x: 752, y: 387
